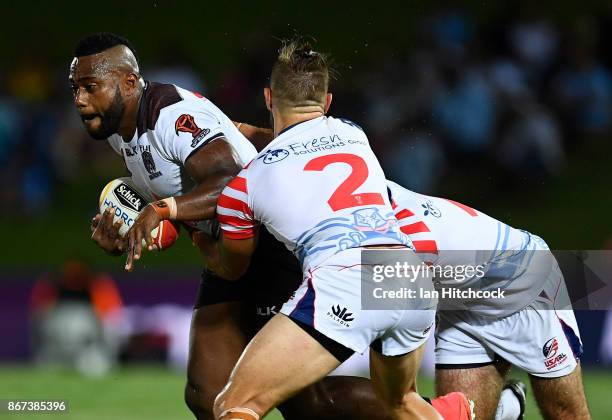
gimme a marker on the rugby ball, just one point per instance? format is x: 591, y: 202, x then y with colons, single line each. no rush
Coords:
x: 121, y: 195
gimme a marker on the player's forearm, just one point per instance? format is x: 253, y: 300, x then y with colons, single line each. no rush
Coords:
x: 260, y: 137
x: 201, y: 202
x: 212, y: 167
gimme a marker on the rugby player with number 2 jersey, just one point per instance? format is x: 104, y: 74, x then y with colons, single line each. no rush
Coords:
x: 326, y: 204
x: 531, y: 327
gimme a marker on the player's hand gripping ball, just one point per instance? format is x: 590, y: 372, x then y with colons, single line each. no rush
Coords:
x: 127, y: 202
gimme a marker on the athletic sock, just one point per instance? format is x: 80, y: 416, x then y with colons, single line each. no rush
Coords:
x: 509, y: 407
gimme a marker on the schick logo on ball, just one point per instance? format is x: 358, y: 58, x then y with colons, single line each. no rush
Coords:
x: 128, y: 197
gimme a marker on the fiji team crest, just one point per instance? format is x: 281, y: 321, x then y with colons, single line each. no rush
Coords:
x: 149, y: 163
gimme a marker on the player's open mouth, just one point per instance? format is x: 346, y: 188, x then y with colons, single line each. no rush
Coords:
x: 88, y: 117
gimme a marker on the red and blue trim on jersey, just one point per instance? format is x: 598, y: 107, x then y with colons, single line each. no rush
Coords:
x: 234, y: 214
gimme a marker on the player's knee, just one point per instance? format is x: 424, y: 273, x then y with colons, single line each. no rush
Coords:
x: 335, y: 397
x: 200, y: 400
x: 312, y: 402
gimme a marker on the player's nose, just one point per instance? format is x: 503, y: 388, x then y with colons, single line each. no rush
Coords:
x: 80, y: 98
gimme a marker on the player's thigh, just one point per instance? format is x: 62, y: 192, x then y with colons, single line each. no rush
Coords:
x: 217, y: 338
x: 464, y: 363
x: 482, y: 384
x: 280, y: 360
x: 561, y: 398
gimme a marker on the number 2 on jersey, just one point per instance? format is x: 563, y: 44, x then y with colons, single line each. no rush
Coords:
x: 344, y: 197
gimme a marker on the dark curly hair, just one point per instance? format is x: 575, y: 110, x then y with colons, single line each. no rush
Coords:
x: 101, y: 41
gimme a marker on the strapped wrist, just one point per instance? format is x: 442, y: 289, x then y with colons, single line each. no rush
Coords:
x: 165, y: 209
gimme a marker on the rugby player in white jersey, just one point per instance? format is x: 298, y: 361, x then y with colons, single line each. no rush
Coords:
x: 532, y: 327
x: 319, y: 189
x: 179, y: 147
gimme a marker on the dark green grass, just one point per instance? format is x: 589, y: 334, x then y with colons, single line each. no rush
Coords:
x: 157, y: 393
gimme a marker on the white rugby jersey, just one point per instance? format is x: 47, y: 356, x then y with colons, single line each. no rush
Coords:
x: 447, y: 233
x: 318, y: 188
x: 173, y: 123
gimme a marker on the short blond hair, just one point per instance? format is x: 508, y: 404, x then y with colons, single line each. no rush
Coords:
x: 300, y: 76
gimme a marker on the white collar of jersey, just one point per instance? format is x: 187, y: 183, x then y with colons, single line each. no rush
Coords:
x: 294, y: 129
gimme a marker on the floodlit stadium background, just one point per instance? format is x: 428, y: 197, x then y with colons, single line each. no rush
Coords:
x: 506, y: 108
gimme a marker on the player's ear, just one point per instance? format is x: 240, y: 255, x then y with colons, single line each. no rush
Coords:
x: 268, y: 98
x: 131, y: 82
x: 328, y: 100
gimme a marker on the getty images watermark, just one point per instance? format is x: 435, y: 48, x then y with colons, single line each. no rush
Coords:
x: 409, y: 272
x: 499, y: 282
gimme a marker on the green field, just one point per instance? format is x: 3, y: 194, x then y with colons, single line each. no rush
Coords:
x: 157, y: 393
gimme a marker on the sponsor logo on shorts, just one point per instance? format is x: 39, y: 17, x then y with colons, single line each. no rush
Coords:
x: 341, y: 315
x: 186, y: 124
x: 550, y: 350
x: 266, y: 310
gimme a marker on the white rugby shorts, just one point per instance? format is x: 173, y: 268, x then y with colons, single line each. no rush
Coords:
x: 541, y: 339
x: 329, y: 299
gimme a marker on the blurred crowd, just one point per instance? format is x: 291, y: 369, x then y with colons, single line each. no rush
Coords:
x: 89, y: 321
x: 75, y: 317
x: 511, y: 98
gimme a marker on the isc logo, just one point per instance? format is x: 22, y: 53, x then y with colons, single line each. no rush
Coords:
x: 119, y: 212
